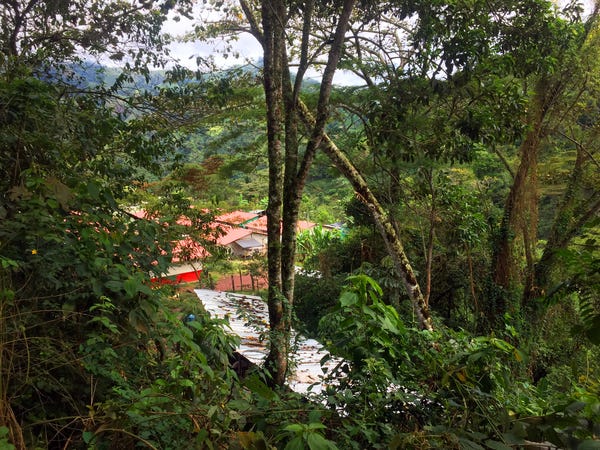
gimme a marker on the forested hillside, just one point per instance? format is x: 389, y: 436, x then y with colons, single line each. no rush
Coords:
x: 459, y: 287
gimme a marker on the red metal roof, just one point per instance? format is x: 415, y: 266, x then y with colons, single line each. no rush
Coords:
x: 232, y: 234
x: 236, y: 217
x: 260, y: 225
x: 234, y: 225
x: 188, y: 250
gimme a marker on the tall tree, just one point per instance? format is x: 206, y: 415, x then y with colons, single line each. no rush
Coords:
x: 274, y: 22
x: 286, y: 32
x: 278, y: 26
x: 288, y: 169
x: 554, y: 106
x: 578, y: 133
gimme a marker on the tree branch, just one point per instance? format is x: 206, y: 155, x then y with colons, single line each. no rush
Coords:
x: 325, y: 91
x: 254, y: 27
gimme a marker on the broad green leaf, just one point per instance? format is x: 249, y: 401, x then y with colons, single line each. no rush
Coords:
x: 114, y: 285
x: 317, y: 442
x: 387, y: 324
x: 348, y: 298
x: 295, y: 444
x: 294, y: 428
x: 255, y: 384
x: 87, y: 436
x: 186, y: 383
x: 131, y: 286
x: 7, y: 262
x: 502, y: 345
x: 496, y: 445
x: 211, y: 411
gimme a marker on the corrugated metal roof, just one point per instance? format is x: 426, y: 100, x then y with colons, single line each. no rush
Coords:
x: 249, y: 243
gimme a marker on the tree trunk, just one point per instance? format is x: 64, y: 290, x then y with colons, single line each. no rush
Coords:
x: 521, y: 207
x: 292, y: 193
x: 273, y: 17
x: 295, y: 173
x: 430, y: 237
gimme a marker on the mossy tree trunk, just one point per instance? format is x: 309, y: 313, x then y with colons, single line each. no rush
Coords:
x: 273, y: 20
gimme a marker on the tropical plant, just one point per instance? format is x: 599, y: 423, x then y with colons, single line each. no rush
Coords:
x: 404, y: 388
x: 311, y: 247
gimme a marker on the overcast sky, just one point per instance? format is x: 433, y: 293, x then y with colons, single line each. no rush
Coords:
x: 248, y: 48
x: 186, y: 52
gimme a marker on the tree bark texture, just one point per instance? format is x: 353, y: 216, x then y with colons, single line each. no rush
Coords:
x: 296, y: 170
x: 287, y: 171
x: 519, y: 224
x: 273, y: 19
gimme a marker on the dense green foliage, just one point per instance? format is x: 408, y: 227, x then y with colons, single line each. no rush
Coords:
x: 93, y: 355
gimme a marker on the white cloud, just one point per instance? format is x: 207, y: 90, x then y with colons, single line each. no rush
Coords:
x: 243, y: 49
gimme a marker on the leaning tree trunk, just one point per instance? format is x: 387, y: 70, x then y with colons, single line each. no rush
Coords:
x: 386, y: 228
